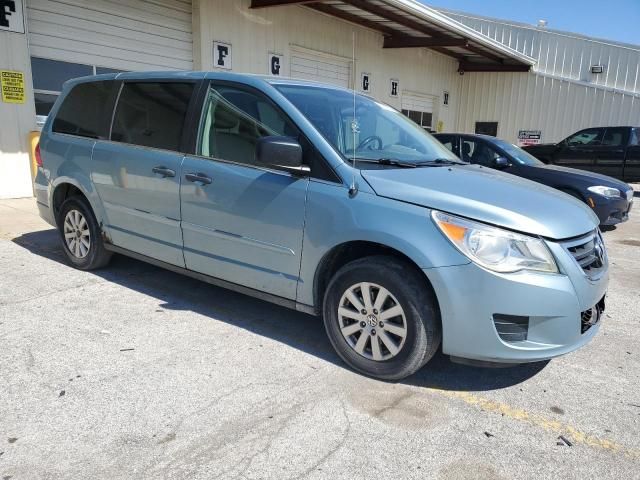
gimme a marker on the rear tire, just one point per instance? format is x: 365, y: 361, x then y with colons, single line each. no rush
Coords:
x: 81, y: 235
x: 381, y: 317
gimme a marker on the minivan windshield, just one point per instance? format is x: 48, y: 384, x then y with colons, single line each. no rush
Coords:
x: 383, y: 135
x: 517, y: 154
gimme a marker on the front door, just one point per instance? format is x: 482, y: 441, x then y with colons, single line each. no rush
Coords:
x: 136, y: 173
x: 580, y: 150
x: 242, y: 222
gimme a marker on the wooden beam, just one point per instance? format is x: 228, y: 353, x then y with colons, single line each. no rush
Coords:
x: 350, y: 17
x: 491, y: 67
x: 277, y: 3
x: 408, y: 22
x: 417, y: 42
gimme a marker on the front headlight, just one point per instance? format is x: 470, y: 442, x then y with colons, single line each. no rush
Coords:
x: 494, y: 248
x: 607, y: 192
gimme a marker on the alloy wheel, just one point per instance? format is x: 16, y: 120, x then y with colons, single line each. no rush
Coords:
x: 77, y: 235
x: 372, y: 321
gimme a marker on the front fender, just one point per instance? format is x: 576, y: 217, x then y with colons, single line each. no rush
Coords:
x: 334, y: 218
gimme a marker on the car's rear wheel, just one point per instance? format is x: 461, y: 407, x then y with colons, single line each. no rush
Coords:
x: 81, y: 235
x: 381, y: 317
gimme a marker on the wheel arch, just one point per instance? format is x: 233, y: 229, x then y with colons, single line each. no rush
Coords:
x: 66, y: 187
x: 348, y: 251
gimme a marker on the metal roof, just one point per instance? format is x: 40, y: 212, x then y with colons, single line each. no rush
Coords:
x: 410, y: 24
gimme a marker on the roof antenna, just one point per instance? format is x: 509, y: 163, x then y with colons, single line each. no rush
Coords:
x: 355, y: 129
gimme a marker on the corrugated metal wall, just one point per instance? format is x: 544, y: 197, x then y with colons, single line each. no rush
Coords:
x: 564, y: 54
x: 255, y: 33
x: 521, y: 101
x: 120, y: 34
x: 562, y: 96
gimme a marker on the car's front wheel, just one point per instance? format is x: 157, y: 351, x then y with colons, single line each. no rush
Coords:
x: 381, y: 317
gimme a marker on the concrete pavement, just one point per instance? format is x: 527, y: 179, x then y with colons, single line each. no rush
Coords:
x: 136, y: 372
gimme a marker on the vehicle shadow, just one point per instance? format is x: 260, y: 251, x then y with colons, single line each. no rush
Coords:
x: 298, y: 330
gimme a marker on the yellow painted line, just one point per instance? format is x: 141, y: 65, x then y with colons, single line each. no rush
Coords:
x: 554, y: 426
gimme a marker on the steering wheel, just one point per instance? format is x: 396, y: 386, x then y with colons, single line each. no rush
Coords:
x: 370, y: 139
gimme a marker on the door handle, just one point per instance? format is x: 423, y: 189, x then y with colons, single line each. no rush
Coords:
x: 198, y: 177
x: 164, y: 171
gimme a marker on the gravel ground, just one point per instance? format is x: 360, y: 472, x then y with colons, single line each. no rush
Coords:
x: 136, y: 372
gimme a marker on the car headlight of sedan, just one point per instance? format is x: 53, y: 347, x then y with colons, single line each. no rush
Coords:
x: 494, y: 248
x: 606, y: 192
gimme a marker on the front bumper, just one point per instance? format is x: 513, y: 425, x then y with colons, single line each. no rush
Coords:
x: 553, y: 304
x: 612, y: 211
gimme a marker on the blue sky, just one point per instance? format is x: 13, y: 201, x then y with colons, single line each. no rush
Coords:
x: 614, y: 19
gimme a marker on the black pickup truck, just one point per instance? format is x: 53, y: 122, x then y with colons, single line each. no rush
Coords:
x: 613, y: 151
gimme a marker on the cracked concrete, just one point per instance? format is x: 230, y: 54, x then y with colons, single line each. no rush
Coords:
x: 169, y: 378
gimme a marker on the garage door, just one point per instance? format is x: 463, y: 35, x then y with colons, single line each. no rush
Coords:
x: 320, y: 67
x: 419, y: 108
x: 118, y: 34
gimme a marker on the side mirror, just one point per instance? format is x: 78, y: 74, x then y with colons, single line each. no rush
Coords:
x: 501, y: 163
x: 280, y: 152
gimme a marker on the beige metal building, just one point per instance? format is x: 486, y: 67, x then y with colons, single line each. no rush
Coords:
x: 406, y: 54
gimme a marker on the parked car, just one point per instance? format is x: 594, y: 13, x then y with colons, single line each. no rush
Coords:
x: 612, y: 151
x: 287, y: 191
x: 610, y: 199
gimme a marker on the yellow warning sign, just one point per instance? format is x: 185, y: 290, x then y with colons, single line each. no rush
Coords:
x: 13, y: 90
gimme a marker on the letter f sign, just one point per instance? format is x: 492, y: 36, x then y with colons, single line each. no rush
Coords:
x: 7, y: 7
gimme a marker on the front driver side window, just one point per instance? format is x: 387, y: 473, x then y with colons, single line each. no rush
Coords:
x: 233, y: 121
x: 591, y: 136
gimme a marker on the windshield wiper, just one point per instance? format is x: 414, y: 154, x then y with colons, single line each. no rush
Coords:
x: 440, y: 161
x: 388, y: 161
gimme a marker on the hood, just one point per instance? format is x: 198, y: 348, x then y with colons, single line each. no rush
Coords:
x: 489, y: 196
x: 590, y: 178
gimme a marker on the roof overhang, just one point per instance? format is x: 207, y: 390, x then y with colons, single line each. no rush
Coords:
x: 410, y: 24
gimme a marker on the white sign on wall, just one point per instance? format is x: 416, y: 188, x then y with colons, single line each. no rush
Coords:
x: 529, y: 137
x: 275, y: 64
x: 221, y: 55
x: 365, y: 83
x: 395, y: 88
x: 11, y: 16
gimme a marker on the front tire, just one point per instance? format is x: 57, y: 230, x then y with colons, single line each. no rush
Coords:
x: 81, y: 235
x: 381, y: 317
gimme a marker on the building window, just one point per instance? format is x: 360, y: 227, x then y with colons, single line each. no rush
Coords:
x: 424, y: 119
x: 50, y: 75
x: 487, y: 128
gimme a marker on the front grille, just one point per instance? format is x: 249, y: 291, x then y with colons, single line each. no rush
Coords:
x: 511, y: 328
x: 589, y: 252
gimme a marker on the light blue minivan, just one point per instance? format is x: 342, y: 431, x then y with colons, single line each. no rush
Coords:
x: 325, y: 201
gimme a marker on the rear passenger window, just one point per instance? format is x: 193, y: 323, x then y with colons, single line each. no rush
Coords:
x: 615, y: 137
x: 86, y: 110
x: 152, y: 114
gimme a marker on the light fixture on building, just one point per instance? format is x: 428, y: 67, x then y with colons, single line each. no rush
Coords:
x: 597, y: 68
x: 542, y: 24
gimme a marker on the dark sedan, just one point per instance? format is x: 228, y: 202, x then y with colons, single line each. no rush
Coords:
x: 610, y: 199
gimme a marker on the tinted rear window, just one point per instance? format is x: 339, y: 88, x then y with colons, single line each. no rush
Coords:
x: 86, y: 110
x: 152, y: 114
